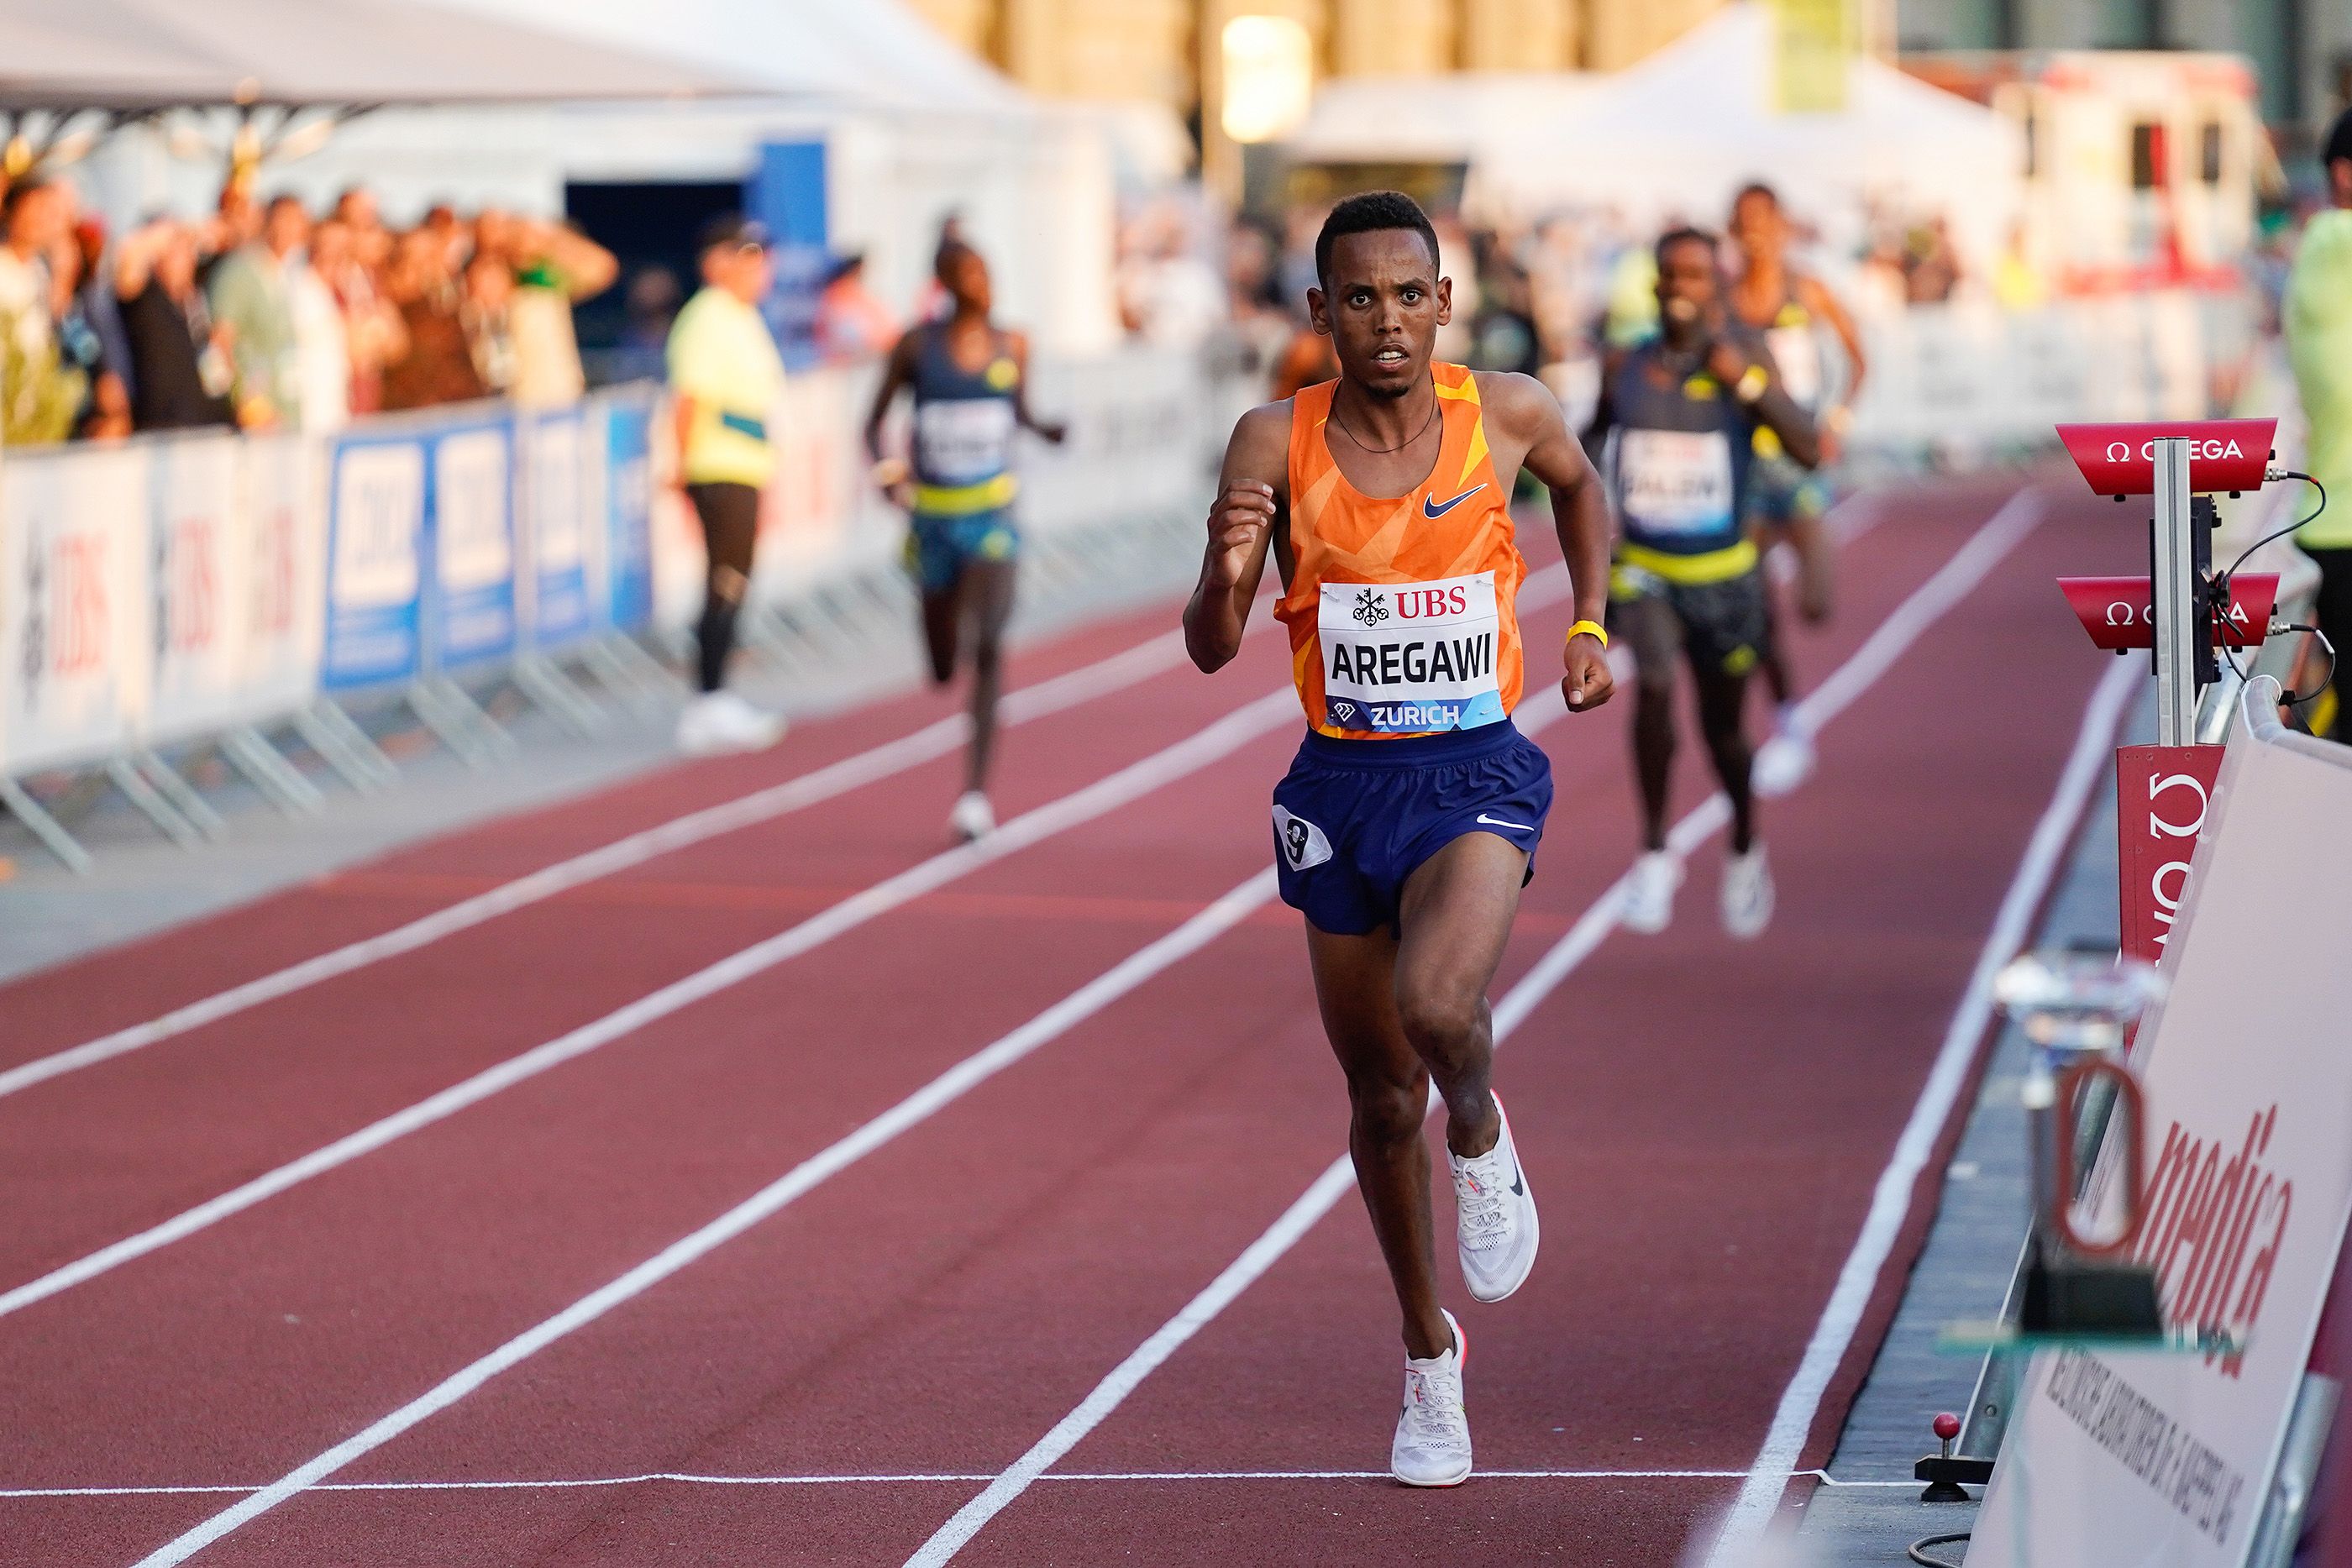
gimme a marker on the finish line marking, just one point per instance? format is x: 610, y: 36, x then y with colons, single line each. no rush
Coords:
x: 683, y: 1478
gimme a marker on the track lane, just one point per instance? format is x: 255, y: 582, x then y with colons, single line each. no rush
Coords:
x: 76, y: 1005
x: 1304, y: 1053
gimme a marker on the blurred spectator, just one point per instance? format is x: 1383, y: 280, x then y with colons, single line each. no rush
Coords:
x: 554, y: 267
x: 180, y: 374
x: 1262, y: 327
x: 322, y: 349
x: 851, y: 325
x: 39, y: 398
x: 340, y: 252
x: 1168, y: 295
x: 436, y: 364
x: 2016, y: 282
x: 1931, y: 266
x: 90, y: 334
x: 486, y: 311
x: 2318, y: 321
x: 236, y: 224
x: 646, y: 311
x: 253, y: 295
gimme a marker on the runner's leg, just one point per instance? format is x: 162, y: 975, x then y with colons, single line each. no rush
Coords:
x: 984, y: 598
x: 1388, y: 1090
x: 1722, y: 699
x: 1403, y: 1012
x: 940, y: 610
x: 1654, y: 634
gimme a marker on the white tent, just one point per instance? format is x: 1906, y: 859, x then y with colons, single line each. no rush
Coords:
x: 1676, y: 135
x: 1429, y: 120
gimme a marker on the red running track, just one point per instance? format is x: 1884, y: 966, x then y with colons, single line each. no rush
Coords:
x: 1704, y: 1120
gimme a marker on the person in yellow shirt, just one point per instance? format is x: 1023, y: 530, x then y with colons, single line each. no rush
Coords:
x: 2317, y: 318
x: 726, y: 380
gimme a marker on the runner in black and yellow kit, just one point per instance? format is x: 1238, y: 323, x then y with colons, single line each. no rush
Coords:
x: 1410, y: 819
x: 1678, y: 417
x: 1786, y: 502
x: 968, y: 378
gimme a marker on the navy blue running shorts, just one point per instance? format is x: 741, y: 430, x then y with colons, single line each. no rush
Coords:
x: 1353, y: 818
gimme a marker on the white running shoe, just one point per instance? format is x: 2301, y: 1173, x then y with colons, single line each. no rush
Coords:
x: 1433, y: 1433
x: 1495, y: 1217
x: 1785, y: 760
x: 1746, y: 894
x: 974, y: 818
x: 1650, y: 892
x: 717, y: 723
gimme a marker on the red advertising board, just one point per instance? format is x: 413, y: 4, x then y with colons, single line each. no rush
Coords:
x: 2120, y: 459
x: 2162, y: 796
x: 2116, y: 609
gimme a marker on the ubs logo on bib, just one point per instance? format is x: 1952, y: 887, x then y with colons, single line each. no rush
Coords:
x: 1369, y: 609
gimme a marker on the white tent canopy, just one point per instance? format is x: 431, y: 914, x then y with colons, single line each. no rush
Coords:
x: 1679, y: 134
x: 874, y: 53
x: 1441, y: 120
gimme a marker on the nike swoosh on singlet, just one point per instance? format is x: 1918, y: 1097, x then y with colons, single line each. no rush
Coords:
x: 1432, y: 509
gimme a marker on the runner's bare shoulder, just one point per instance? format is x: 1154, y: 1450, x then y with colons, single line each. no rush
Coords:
x: 1519, y: 408
x: 1260, y: 447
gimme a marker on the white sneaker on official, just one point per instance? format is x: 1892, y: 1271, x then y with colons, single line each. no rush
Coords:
x: 1747, y: 893
x: 1495, y: 1223
x: 974, y: 818
x: 1432, y: 1432
x: 1650, y: 892
x: 719, y: 722
x: 1785, y: 760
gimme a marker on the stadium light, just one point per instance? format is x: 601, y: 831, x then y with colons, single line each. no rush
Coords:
x: 1269, y: 76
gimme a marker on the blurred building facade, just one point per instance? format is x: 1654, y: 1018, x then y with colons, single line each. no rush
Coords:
x: 2302, y: 50
x: 1152, y: 50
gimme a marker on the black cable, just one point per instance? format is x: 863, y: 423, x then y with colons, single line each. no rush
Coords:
x: 2325, y: 681
x: 2223, y: 580
x: 2219, y: 591
x: 1917, y: 1553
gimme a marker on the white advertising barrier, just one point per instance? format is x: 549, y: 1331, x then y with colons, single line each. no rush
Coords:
x: 284, y: 606
x: 562, y: 551
x: 73, y: 624
x: 375, y: 626
x: 1969, y: 374
x: 1140, y: 442
x: 473, y: 617
x: 198, y: 569
x: 2163, y: 1461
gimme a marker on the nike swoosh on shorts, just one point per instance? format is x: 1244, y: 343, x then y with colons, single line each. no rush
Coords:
x: 1498, y: 823
x: 1430, y: 509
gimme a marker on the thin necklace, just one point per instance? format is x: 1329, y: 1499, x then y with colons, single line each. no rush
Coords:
x: 1435, y: 407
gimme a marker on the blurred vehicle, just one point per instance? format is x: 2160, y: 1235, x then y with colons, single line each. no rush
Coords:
x: 2142, y: 167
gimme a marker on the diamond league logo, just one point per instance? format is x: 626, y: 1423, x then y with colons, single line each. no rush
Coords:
x: 1342, y: 709
x: 1369, y: 609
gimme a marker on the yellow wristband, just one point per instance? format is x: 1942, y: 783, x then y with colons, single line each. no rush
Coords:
x: 1588, y: 629
x: 1754, y: 382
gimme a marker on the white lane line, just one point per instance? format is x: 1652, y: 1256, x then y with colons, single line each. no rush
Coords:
x: 1890, y: 1202
x: 1123, y: 787
x: 689, y: 1478
x: 1196, y: 933
x: 1064, y: 690
x: 1925, y: 605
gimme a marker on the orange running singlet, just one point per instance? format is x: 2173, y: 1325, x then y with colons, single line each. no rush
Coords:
x: 1403, y: 612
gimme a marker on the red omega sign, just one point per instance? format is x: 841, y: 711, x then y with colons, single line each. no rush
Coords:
x: 2120, y: 459
x: 2116, y: 609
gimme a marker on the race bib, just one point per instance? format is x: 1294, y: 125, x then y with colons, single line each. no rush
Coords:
x: 961, y: 441
x: 1408, y: 657
x: 1674, y: 481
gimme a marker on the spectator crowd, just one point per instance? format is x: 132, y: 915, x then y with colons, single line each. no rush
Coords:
x: 266, y: 316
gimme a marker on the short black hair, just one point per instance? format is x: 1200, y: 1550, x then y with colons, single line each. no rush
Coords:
x: 23, y: 191
x: 943, y: 260
x: 2339, y: 140
x: 1368, y: 213
x: 1685, y: 235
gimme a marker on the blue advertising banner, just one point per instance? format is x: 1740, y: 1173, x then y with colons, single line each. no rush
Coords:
x: 473, y: 533
x: 375, y: 556
x: 556, y: 526
x: 787, y: 193
x: 628, y: 512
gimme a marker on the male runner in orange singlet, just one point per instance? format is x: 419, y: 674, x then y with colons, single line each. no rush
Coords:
x: 1409, y: 822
